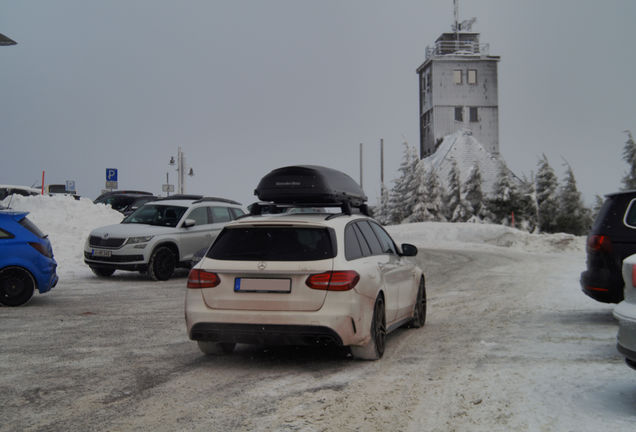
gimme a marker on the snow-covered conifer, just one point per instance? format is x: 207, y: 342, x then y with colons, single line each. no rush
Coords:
x: 472, y: 192
x: 629, y: 156
x: 547, y: 186
x: 430, y: 193
x: 402, y: 197
x: 573, y: 217
x: 383, y: 211
x: 528, y: 213
x: 505, y: 202
x: 453, y: 194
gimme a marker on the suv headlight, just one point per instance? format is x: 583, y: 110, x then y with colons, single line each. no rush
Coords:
x: 137, y: 240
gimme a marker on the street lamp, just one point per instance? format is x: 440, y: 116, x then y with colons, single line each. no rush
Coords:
x: 180, y: 170
x: 6, y: 41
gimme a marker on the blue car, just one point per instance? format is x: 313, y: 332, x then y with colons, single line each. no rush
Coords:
x: 26, y: 259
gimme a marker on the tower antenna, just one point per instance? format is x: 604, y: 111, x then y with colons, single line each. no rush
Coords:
x: 456, y: 16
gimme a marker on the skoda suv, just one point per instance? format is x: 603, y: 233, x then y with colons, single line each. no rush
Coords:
x: 159, y: 236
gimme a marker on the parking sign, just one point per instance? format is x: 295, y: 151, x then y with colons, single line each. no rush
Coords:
x: 111, y: 174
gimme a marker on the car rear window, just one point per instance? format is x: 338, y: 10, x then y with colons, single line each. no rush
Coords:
x: 630, y: 215
x: 273, y: 244
x: 32, y: 227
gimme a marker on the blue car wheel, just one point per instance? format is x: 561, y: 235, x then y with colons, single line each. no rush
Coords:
x: 16, y: 286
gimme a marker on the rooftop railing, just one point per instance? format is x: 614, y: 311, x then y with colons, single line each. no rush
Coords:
x: 458, y: 48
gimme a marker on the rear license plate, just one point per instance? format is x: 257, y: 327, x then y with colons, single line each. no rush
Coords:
x: 100, y: 253
x: 262, y: 285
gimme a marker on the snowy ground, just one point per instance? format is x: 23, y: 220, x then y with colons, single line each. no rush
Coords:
x: 510, y: 344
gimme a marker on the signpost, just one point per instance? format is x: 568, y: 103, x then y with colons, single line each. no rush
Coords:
x: 70, y: 186
x: 111, y: 178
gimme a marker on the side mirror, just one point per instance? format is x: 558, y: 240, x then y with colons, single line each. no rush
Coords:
x: 189, y: 223
x: 408, y: 250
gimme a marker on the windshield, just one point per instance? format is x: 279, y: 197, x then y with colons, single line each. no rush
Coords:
x: 154, y: 214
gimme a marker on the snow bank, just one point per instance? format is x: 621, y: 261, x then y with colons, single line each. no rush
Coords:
x: 449, y: 235
x: 68, y: 223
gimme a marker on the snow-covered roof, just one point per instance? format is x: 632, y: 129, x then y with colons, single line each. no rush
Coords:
x: 465, y: 150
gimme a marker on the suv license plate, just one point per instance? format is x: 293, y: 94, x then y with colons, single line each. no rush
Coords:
x: 262, y: 285
x: 100, y: 253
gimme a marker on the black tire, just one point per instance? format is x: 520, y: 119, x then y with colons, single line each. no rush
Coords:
x: 374, y: 349
x: 216, y: 348
x: 103, y: 271
x: 16, y: 286
x: 419, y: 313
x: 162, y: 263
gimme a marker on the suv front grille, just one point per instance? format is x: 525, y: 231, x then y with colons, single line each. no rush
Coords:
x: 107, y: 243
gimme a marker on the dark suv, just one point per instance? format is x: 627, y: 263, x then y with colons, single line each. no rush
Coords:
x: 125, y: 201
x: 611, y: 239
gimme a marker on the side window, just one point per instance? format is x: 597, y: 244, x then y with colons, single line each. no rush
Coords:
x: 5, y: 235
x: 472, y: 76
x: 372, y: 240
x: 352, y: 245
x: 457, y: 76
x: 630, y: 215
x: 364, y: 246
x: 236, y: 212
x: 459, y: 114
x: 220, y: 214
x: 200, y: 215
x: 385, y: 240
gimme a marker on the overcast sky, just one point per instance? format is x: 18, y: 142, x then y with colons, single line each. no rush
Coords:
x: 248, y: 86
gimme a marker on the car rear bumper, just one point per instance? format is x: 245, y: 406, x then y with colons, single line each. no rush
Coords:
x: 265, y: 334
x: 601, y: 287
x: 338, y: 323
x: 625, y: 313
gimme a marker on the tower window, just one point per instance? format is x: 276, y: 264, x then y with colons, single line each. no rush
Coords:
x: 474, y: 117
x: 472, y: 76
x: 459, y: 114
x: 457, y: 76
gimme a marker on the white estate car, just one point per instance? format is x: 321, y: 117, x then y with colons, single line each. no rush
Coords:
x: 304, y: 279
x: 159, y: 236
x: 625, y: 313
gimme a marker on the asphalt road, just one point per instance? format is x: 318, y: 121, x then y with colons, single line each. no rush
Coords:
x: 113, y: 355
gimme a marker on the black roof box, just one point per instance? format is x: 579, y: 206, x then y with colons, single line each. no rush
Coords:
x: 310, y: 184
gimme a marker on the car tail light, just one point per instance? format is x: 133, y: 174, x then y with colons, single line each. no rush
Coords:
x: 40, y: 248
x: 202, y: 279
x: 333, y: 280
x: 634, y: 275
x: 597, y: 243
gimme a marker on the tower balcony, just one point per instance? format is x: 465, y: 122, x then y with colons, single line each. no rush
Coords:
x: 457, y: 48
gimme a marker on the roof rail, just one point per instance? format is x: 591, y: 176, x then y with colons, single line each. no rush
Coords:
x: 217, y: 199
x: 259, y: 208
x: 181, y: 197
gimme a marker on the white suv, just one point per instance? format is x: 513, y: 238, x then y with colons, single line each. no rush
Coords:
x: 159, y: 236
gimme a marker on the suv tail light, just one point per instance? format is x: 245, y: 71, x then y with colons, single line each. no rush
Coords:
x: 202, y: 279
x: 333, y: 280
x: 598, y: 243
x: 634, y: 275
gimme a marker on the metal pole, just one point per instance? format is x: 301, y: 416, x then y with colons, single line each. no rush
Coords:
x: 382, y: 160
x: 360, y: 164
x: 180, y: 169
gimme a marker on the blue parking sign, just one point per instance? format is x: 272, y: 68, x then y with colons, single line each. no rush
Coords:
x: 111, y: 174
